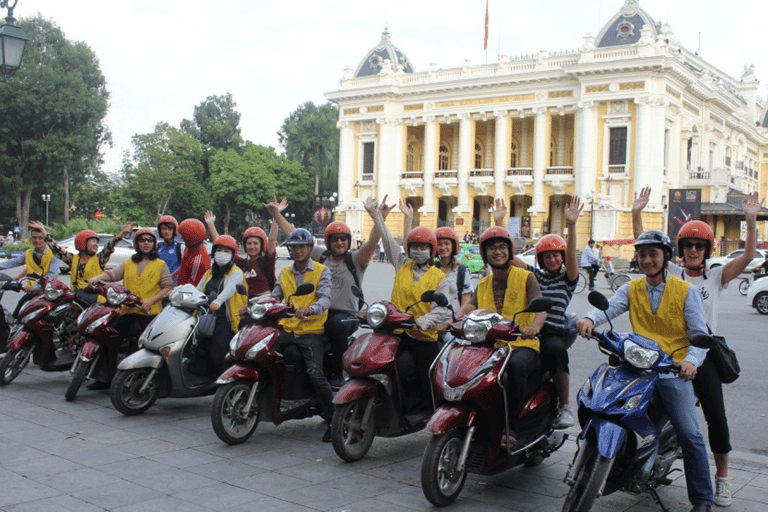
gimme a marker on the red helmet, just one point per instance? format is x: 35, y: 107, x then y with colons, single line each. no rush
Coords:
x: 422, y: 235
x: 254, y: 232
x: 81, y: 239
x: 337, y: 228
x: 448, y: 233
x: 549, y: 243
x: 493, y: 233
x: 698, y: 230
x: 168, y: 219
x: 224, y: 241
x: 192, y: 231
x: 140, y: 232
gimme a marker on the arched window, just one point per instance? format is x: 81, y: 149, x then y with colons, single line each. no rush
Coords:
x: 478, y: 155
x: 514, y: 155
x: 413, y: 157
x: 445, y: 157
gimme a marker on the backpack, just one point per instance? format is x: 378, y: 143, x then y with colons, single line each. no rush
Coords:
x: 350, y: 265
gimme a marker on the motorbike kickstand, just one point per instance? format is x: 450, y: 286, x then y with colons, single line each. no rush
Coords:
x: 657, y: 499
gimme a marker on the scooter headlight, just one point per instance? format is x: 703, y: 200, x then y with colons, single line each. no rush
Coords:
x: 33, y: 315
x: 259, y: 347
x: 233, y: 343
x: 376, y: 315
x: 52, y: 293
x: 639, y: 357
x: 632, y: 402
x: 259, y: 309
x: 114, y: 298
x: 476, y: 326
x: 96, y: 324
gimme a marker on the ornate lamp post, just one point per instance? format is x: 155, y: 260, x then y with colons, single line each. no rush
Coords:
x: 47, y: 199
x: 12, y: 41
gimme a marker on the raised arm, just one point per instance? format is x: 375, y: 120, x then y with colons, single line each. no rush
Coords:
x: 637, y: 208
x: 368, y: 248
x: 572, y: 212
x: 57, y: 250
x: 391, y: 247
x: 499, y: 212
x: 272, y: 237
x: 407, y: 210
x: 276, y: 212
x: 736, y: 266
x: 210, y: 221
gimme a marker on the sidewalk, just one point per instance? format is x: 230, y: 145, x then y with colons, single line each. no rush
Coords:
x: 84, y: 456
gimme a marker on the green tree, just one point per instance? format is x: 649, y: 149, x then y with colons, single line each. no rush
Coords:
x: 309, y: 136
x: 51, y: 117
x: 216, y: 123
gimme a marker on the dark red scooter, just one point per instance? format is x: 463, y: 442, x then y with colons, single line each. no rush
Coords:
x: 38, y: 337
x: 373, y: 402
x: 98, y: 354
x: 6, y: 319
x: 471, y: 430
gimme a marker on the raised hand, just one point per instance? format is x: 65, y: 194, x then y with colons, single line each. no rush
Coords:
x: 38, y: 225
x: 573, y: 210
x: 371, y: 205
x: 751, y: 206
x: 127, y: 228
x: 273, y: 207
x: 499, y: 212
x: 406, y: 208
x: 384, y: 208
x: 209, y: 216
x: 641, y: 201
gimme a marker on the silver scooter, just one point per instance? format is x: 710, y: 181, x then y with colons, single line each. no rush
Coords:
x: 158, y: 369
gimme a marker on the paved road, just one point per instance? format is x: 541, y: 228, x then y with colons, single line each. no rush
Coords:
x: 85, y: 456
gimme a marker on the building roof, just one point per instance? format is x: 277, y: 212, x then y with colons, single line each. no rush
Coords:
x: 385, y: 50
x: 624, y: 27
x: 763, y: 121
x: 732, y: 206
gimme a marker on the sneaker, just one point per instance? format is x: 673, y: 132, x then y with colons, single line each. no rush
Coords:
x: 327, y: 435
x: 722, y: 492
x: 564, y: 418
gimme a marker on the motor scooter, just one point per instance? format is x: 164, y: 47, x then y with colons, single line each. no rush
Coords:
x: 263, y: 384
x: 158, y: 368
x: 98, y: 354
x: 373, y: 402
x: 6, y: 318
x: 471, y: 429
x: 37, y: 335
x: 627, y: 441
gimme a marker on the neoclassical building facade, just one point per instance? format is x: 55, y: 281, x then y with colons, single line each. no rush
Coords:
x: 632, y: 107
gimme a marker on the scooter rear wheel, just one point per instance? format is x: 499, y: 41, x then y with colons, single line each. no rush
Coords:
x: 13, y: 362
x: 441, y: 479
x: 351, y: 438
x: 229, y: 422
x: 125, y: 391
x: 81, y: 370
x: 589, y: 480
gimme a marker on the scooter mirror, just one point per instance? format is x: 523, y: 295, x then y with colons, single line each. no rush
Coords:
x: 440, y: 299
x: 538, y: 305
x: 428, y: 296
x: 304, y: 289
x: 598, y: 300
x: 241, y: 289
x: 702, y: 341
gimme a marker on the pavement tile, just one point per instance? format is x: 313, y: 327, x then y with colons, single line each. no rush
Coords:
x: 15, y: 452
x: 364, y: 485
x: 128, y: 469
x: 272, y: 484
x: 151, y: 446
x: 323, y: 497
x: 218, y: 496
x: 370, y: 505
x: 184, y: 458
x: 61, y: 503
x: 317, y: 472
x: 225, y: 470
x: 267, y: 503
x: 117, y: 495
x: 173, y: 481
x: 17, y: 489
x: 43, y: 466
x: 270, y: 460
x: 85, y: 452
x: 34, y: 435
x: 164, y: 504
x: 78, y: 479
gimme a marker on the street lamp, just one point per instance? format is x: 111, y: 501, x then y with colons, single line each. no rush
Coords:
x: 47, y: 199
x: 12, y: 41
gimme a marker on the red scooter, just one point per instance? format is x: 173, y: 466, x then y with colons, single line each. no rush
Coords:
x: 6, y: 319
x: 38, y: 337
x: 373, y: 401
x: 262, y: 383
x: 97, y: 357
x: 471, y: 430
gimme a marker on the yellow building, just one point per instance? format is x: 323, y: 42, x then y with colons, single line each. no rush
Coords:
x: 630, y: 108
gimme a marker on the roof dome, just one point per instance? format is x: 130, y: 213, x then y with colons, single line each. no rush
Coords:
x: 385, y: 50
x: 624, y: 27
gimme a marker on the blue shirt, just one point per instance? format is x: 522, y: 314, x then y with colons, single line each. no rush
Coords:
x: 170, y: 255
x: 589, y: 257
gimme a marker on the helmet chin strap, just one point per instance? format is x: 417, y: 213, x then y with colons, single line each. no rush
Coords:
x: 501, y: 267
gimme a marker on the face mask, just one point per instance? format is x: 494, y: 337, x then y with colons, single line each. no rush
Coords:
x: 222, y: 258
x: 420, y: 257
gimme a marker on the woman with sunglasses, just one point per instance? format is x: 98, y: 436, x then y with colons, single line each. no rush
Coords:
x: 695, y: 242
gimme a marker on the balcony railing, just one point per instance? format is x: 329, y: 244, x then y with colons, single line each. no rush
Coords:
x: 560, y: 170
x: 520, y: 171
x: 367, y: 177
x: 413, y: 175
x: 481, y: 173
x: 698, y: 175
x: 446, y: 174
x: 617, y: 169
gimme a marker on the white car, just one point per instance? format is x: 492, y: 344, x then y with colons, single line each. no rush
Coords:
x: 529, y: 257
x: 722, y: 260
x: 757, y: 296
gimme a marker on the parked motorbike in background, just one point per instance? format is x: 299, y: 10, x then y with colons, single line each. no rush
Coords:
x: 627, y: 441
x: 471, y: 428
x: 37, y: 336
x: 374, y: 401
x: 6, y: 318
x: 101, y: 342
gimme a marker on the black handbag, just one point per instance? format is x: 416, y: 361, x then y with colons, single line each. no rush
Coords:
x: 205, y: 324
x: 725, y: 360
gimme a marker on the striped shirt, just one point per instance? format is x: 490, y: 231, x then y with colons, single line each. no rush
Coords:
x: 559, y: 290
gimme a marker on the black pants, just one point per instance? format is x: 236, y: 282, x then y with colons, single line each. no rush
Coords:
x: 592, y: 271
x: 340, y: 325
x: 420, y: 353
x: 222, y: 335
x: 131, y: 326
x: 554, y: 353
x: 709, y: 389
x: 521, y: 365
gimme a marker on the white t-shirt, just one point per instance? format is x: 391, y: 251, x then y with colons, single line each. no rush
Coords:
x: 710, y: 289
x: 454, y: 297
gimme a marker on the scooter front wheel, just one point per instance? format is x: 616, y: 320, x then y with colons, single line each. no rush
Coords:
x: 589, y: 480
x: 441, y: 478
x: 125, y: 391
x: 351, y: 436
x: 81, y: 370
x: 231, y: 423
x: 13, y: 362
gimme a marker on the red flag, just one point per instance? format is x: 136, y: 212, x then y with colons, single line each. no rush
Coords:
x: 485, y: 40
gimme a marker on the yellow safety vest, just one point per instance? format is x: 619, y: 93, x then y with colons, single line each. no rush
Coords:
x: 145, y: 286
x: 515, y: 300
x: 234, y: 303
x: 667, y: 327
x: 406, y: 292
x: 313, y: 324
x: 33, y: 267
x: 92, y: 269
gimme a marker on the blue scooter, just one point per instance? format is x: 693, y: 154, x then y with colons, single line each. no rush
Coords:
x: 627, y: 441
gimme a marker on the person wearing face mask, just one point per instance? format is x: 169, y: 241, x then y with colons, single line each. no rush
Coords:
x: 415, y: 274
x: 221, y: 281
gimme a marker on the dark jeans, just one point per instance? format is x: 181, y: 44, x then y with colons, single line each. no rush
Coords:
x: 592, y: 272
x: 340, y: 325
x: 311, y: 347
x: 131, y: 326
x: 554, y: 353
x: 521, y: 364
x: 417, y: 356
x: 222, y: 335
x: 709, y: 389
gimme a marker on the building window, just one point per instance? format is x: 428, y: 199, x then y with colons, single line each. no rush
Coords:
x: 617, y: 150
x: 445, y: 157
x: 689, y: 154
x: 478, y: 156
x: 514, y: 156
x: 552, y: 153
x: 413, y: 158
x: 369, y: 152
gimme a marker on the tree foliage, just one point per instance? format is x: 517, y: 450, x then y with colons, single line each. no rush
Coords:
x: 309, y: 136
x: 216, y: 123
x: 51, y: 116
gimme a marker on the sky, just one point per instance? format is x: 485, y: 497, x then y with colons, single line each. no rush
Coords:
x: 161, y: 58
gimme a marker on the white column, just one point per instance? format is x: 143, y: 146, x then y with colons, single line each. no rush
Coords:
x: 500, y: 163
x: 466, y: 150
x: 525, y: 128
x: 396, y: 140
x: 346, y: 162
x: 643, y: 143
x: 540, y: 151
x: 560, y: 158
x: 430, y: 148
x: 585, y: 157
x: 384, y: 171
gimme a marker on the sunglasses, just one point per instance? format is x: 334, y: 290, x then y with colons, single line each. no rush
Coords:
x: 699, y: 246
x: 146, y: 240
